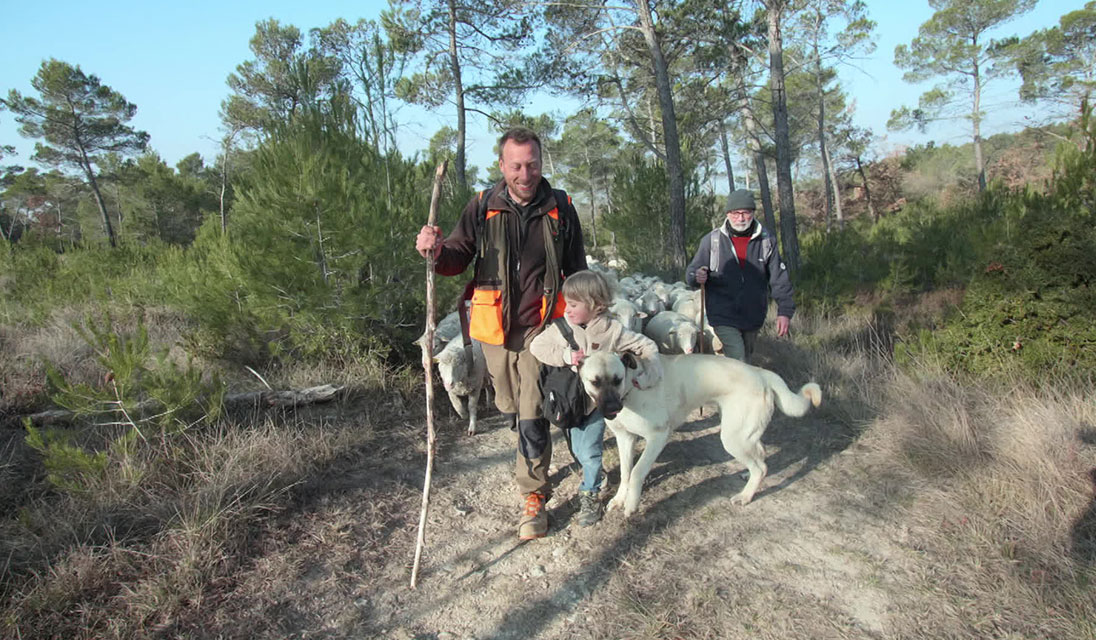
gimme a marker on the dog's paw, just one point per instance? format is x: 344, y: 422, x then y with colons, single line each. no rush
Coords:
x: 741, y: 499
x: 616, y: 503
x: 471, y: 431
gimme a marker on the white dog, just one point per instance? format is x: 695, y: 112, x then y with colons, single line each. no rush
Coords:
x: 745, y: 394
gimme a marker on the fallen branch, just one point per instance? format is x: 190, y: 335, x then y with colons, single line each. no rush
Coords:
x: 253, y: 399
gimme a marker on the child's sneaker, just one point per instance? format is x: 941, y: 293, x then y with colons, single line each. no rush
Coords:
x: 589, y: 511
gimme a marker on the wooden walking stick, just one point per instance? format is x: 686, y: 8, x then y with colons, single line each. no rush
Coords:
x: 427, y: 358
x: 702, y: 306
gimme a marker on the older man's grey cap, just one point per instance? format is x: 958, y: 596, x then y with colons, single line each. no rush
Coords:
x: 741, y: 199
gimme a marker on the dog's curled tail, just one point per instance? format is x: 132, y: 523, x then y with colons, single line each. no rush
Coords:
x: 793, y: 404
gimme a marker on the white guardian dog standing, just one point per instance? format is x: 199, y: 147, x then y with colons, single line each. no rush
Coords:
x: 746, y: 396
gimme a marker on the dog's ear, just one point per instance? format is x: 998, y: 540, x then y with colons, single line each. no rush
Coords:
x: 629, y: 360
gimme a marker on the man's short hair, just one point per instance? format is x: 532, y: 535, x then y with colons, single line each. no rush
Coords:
x: 519, y: 135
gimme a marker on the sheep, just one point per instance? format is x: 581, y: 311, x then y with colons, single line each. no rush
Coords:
x: 672, y: 332
x: 712, y: 343
x: 679, y: 290
x: 628, y: 313
x: 650, y: 304
x: 688, y: 306
x: 662, y: 290
x: 463, y: 374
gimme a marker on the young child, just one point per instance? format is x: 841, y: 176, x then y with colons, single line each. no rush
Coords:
x: 588, y: 295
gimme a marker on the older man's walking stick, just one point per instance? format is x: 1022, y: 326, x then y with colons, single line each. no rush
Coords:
x: 427, y: 358
x: 703, y: 304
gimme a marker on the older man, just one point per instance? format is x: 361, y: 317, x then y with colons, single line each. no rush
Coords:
x: 740, y: 265
x: 525, y: 238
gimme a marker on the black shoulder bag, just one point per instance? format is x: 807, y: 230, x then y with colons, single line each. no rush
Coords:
x: 563, y: 400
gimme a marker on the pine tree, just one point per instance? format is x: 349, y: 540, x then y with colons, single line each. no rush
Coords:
x: 79, y: 121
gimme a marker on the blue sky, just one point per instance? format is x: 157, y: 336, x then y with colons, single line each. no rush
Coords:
x: 172, y: 59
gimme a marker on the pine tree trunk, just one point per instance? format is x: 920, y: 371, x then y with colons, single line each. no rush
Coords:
x: 673, y: 145
x: 976, y: 122
x: 785, y: 194
x: 867, y: 190
x: 593, y: 195
x: 226, y: 149
x: 820, y: 94
x: 221, y: 197
x: 726, y: 155
x: 454, y: 63
x: 99, y: 202
x: 759, y: 163
x: 6, y: 235
x: 836, y: 189
x: 766, y: 191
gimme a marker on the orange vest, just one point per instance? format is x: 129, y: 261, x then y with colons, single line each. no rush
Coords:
x: 490, y: 315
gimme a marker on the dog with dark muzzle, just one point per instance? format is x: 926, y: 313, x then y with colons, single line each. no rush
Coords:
x: 746, y: 396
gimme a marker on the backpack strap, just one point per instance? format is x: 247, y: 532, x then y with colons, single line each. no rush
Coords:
x: 564, y: 223
x: 462, y: 312
x: 766, y: 246
x: 713, y: 251
x: 568, y: 335
x: 481, y: 223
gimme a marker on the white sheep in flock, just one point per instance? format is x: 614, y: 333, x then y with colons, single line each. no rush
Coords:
x: 672, y: 332
x: 464, y: 374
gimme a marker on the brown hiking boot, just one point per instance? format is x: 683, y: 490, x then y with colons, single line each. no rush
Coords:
x: 534, y: 520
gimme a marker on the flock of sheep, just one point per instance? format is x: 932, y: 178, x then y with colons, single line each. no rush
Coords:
x: 670, y: 314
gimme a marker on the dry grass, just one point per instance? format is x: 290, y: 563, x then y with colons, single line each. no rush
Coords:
x: 983, y: 488
x: 980, y: 492
x: 996, y: 478
x: 146, y: 545
x: 145, y: 550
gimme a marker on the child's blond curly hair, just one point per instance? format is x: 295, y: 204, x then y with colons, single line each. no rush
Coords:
x: 591, y: 288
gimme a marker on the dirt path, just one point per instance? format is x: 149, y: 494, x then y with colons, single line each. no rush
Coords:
x: 809, y: 558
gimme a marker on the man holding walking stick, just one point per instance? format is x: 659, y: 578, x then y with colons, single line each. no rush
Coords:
x: 524, y: 238
x: 739, y: 266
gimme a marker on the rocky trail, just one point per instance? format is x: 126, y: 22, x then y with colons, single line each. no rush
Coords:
x: 811, y: 557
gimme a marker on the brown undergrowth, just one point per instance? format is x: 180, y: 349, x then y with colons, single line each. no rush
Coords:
x: 910, y: 505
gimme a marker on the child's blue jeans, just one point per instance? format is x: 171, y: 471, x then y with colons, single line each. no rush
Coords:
x: 586, y: 444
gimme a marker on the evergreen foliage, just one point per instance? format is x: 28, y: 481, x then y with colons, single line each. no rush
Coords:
x: 79, y: 121
x: 315, y: 261
x: 142, y: 395
x: 159, y: 203
x: 1025, y: 258
x: 35, y: 281
x: 638, y: 221
x: 1030, y: 307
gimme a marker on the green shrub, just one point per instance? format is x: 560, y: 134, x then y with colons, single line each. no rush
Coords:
x: 318, y: 261
x: 1030, y: 303
x: 1025, y: 258
x: 140, y: 396
x: 38, y: 280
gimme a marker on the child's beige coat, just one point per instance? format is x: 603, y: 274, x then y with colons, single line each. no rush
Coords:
x: 603, y: 333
